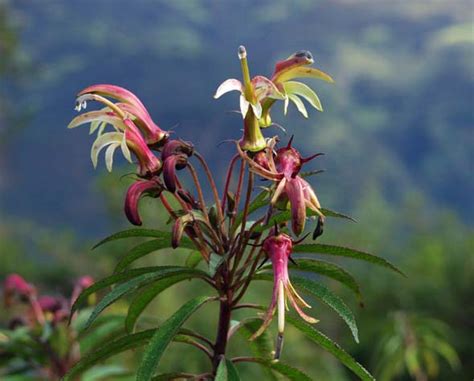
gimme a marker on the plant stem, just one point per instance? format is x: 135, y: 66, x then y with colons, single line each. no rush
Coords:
x: 225, y: 313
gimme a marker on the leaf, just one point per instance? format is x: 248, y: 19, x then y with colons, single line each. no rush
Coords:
x: 163, y: 336
x: 262, y: 346
x: 136, y: 283
x: 144, y: 298
x: 193, y: 259
x: 321, y: 292
x: 330, y: 270
x: 103, y: 372
x: 186, y: 243
x: 304, y: 91
x: 104, y: 328
x: 226, y: 371
x: 221, y: 373
x: 232, y: 372
x: 173, y: 376
x: 286, y: 370
x: 331, y: 213
x: 141, y: 250
x: 344, y: 252
x: 333, y: 348
x: 122, y: 277
x: 214, y: 263
x: 107, y: 350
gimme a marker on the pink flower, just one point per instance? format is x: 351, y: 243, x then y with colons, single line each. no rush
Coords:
x: 17, y: 287
x: 278, y: 248
x: 175, y: 157
x: 137, y: 190
x: 81, y: 284
x: 283, y: 168
x: 133, y: 128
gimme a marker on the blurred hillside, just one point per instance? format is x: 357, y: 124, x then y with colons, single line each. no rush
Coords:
x: 396, y: 130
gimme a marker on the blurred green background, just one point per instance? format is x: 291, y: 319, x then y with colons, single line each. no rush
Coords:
x: 396, y: 130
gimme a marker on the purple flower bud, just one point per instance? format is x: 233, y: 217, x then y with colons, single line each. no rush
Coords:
x: 170, y: 166
x: 174, y: 147
x: 135, y: 192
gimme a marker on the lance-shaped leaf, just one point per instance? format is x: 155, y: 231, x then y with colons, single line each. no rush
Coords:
x: 345, y: 252
x: 118, y: 278
x: 163, y: 336
x: 298, y: 88
x: 148, y: 233
x: 135, y: 284
x: 289, y: 372
x: 333, y: 348
x: 226, y: 371
x: 145, y: 297
x: 107, y: 350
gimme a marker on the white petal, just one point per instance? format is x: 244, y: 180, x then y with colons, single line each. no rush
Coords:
x: 228, y: 85
x: 103, y: 141
x: 109, y: 156
x: 285, y: 107
x: 257, y: 110
x: 244, y: 106
x: 281, y: 306
x: 304, y: 91
x: 125, y: 149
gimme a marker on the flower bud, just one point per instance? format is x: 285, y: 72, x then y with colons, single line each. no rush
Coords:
x: 135, y: 192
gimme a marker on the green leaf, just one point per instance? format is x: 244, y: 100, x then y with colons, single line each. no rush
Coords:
x: 106, y: 327
x: 143, y: 249
x: 109, y: 349
x: 150, y: 233
x: 221, y: 373
x: 232, y: 372
x: 332, y: 348
x: 193, y: 259
x: 262, y: 346
x: 330, y: 270
x: 331, y: 213
x: 173, y: 376
x: 226, y: 371
x: 214, y: 263
x: 321, y: 292
x: 344, y: 252
x: 122, y: 277
x: 103, y: 372
x: 163, y: 336
x: 286, y: 370
x: 136, y: 283
x: 144, y: 298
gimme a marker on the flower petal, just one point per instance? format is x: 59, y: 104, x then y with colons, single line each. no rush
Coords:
x: 116, y: 92
x: 135, y: 192
x: 244, y: 106
x: 125, y: 149
x: 109, y: 156
x: 295, y: 194
x: 298, y: 59
x: 103, y: 141
x: 229, y: 85
x: 299, y: 104
x: 305, y: 91
x: 304, y: 72
x: 257, y: 110
x: 96, y: 116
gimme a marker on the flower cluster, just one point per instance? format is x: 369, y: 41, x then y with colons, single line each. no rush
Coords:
x: 218, y: 229
x: 43, y: 320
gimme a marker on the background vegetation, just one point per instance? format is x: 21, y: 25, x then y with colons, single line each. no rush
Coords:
x: 396, y: 130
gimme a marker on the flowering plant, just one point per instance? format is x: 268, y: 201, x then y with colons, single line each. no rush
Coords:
x: 229, y: 242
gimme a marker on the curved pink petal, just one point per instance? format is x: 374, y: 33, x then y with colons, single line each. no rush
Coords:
x: 135, y: 192
x: 294, y: 190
